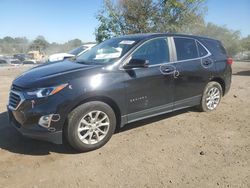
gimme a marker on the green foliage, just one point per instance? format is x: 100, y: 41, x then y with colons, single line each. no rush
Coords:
x: 56, y: 48
x: 120, y: 17
x: 229, y: 38
x: 142, y: 16
x: 183, y: 16
x: 9, y: 45
x: 39, y: 44
x: 13, y: 45
x: 178, y: 16
x: 246, y: 43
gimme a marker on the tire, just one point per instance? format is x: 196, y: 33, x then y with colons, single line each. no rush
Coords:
x: 212, y: 87
x: 90, y: 126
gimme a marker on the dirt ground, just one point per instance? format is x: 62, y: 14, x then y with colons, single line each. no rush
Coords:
x: 163, y: 151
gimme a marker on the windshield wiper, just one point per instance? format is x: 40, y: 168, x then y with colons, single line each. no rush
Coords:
x: 83, y: 62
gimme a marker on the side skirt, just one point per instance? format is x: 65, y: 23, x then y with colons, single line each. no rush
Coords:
x: 159, y: 110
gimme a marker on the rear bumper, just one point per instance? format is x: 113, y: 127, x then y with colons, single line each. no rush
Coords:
x: 36, y: 132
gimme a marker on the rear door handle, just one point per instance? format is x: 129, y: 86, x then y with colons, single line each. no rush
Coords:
x: 207, y: 63
x: 169, y: 69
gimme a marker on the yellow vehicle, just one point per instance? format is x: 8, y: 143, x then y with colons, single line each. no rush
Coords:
x: 35, y: 56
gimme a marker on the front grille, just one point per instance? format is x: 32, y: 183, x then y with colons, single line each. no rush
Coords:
x: 14, y: 100
x: 16, y: 88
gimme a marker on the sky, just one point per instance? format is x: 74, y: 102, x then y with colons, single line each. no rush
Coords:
x: 63, y: 20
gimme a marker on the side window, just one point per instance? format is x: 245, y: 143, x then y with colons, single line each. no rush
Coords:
x: 202, y: 50
x: 185, y: 48
x: 215, y: 47
x: 156, y: 51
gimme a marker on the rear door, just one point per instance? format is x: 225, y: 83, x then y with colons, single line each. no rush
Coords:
x: 195, y: 69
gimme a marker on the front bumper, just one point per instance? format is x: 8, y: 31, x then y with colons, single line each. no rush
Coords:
x: 35, y: 131
x: 25, y: 117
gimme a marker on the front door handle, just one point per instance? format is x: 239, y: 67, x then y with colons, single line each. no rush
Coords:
x: 168, y: 70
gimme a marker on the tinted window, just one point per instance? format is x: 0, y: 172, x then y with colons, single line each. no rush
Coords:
x: 185, y: 48
x: 215, y: 47
x: 202, y: 50
x: 156, y: 51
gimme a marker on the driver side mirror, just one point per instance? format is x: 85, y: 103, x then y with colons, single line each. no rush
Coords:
x: 136, y: 63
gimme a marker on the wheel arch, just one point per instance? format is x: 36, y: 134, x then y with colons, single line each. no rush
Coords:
x: 105, y: 100
x: 221, y: 82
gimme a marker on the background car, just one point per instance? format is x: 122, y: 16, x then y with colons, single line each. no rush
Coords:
x: 29, y: 62
x: 3, y: 61
x: 75, y: 52
x: 15, y: 62
x: 9, y: 60
x: 20, y: 57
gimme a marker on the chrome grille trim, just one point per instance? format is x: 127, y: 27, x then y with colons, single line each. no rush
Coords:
x: 15, y: 100
x: 16, y: 88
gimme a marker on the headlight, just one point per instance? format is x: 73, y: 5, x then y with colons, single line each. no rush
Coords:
x: 47, y: 91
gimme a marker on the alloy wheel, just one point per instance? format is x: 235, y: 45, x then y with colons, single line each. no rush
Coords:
x: 213, y: 98
x: 93, y: 127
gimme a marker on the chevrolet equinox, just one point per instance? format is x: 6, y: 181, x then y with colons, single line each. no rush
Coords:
x: 121, y: 80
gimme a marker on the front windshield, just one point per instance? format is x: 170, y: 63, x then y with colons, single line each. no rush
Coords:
x: 108, y: 51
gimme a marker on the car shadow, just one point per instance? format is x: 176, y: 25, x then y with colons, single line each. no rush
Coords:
x: 243, y: 73
x: 12, y: 141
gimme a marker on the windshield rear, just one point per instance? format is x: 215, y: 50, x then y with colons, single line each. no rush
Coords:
x: 108, y: 51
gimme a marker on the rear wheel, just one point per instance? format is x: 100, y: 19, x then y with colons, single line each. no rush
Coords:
x: 211, y: 97
x: 90, y: 126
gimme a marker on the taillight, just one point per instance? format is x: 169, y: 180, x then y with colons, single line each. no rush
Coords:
x: 229, y: 61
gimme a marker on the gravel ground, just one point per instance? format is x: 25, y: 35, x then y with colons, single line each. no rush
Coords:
x: 181, y: 149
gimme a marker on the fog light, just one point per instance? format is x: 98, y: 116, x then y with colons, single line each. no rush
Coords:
x: 45, y: 121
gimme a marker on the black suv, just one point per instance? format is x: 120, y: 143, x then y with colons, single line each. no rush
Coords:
x: 121, y: 80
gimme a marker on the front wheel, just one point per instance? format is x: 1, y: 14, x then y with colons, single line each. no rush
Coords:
x: 90, y: 126
x: 211, y: 97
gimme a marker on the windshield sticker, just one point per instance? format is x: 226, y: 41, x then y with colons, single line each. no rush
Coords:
x: 129, y: 42
x: 108, y: 53
x: 108, y: 56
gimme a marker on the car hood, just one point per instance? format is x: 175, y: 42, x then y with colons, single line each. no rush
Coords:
x: 52, y: 73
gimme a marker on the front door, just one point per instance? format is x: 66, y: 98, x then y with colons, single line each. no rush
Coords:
x: 150, y: 90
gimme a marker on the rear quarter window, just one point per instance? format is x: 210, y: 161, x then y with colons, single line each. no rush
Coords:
x: 215, y: 47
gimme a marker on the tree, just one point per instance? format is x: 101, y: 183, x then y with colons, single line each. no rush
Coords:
x: 179, y: 16
x: 21, y: 44
x: 141, y: 16
x: 229, y: 38
x: 8, y: 39
x: 39, y: 44
x: 246, y: 43
x: 9, y: 45
x: 74, y: 43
